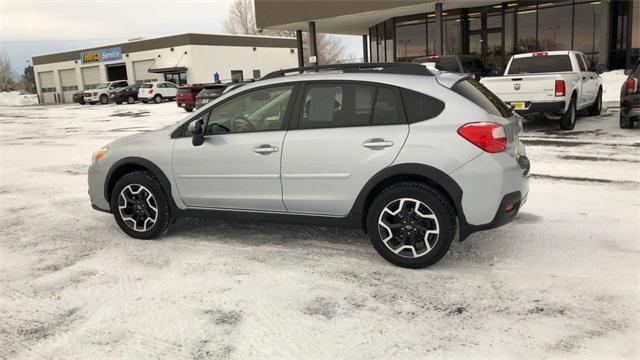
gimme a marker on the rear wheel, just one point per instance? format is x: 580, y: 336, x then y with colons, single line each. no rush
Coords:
x: 568, y: 119
x: 596, y: 108
x: 157, y: 99
x: 188, y: 109
x: 140, y: 206
x: 625, y: 122
x: 411, y: 225
x: 130, y: 99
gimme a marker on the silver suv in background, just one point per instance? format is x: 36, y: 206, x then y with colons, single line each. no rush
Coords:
x: 411, y: 158
x: 103, y: 91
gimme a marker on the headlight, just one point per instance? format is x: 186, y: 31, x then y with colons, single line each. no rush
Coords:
x: 98, y: 154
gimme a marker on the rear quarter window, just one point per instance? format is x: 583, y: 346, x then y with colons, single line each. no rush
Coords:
x: 420, y: 107
x: 481, y: 96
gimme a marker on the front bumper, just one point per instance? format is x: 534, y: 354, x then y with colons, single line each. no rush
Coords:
x: 96, y: 178
x: 542, y: 107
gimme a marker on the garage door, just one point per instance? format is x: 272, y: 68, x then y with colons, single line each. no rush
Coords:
x: 69, y: 84
x: 141, y: 71
x: 91, y: 77
x: 48, y: 87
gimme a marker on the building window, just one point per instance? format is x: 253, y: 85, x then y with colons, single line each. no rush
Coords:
x: 451, y: 34
x: 388, y: 40
x: 380, y: 42
x: 433, y: 42
x: 588, y: 27
x: 48, y: 90
x: 373, y: 47
x: 527, y: 17
x: 236, y: 76
x: 554, y: 27
x: 256, y: 74
x: 176, y: 78
x: 411, y: 38
x: 70, y: 88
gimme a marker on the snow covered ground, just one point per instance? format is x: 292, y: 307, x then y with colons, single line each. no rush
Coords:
x: 14, y: 98
x: 562, y: 280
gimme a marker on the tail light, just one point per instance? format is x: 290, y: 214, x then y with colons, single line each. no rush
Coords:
x: 632, y: 85
x: 488, y: 136
x: 150, y: 91
x: 560, y: 89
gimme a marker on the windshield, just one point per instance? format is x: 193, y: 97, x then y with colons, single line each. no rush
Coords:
x: 481, y: 96
x: 146, y: 86
x: 102, y: 86
x: 540, y: 64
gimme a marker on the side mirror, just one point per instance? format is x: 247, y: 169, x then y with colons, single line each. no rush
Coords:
x: 600, y: 68
x: 196, y: 129
x: 627, y: 72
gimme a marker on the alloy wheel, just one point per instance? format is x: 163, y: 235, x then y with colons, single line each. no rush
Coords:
x: 138, y: 207
x: 408, y: 227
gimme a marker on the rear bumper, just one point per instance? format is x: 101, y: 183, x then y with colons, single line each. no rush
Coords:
x: 546, y: 107
x: 507, y: 211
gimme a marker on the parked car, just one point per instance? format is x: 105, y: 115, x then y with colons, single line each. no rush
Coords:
x: 386, y: 147
x: 207, y: 95
x: 157, y: 91
x: 103, y: 91
x: 128, y: 95
x: 555, y: 83
x: 186, y: 95
x: 630, y: 98
x: 468, y: 64
x: 78, y: 97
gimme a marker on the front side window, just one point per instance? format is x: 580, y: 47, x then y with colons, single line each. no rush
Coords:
x: 347, y: 105
x: 256, y: 110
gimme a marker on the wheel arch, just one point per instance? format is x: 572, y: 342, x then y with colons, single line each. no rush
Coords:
x: 410, y: 172
x: 131, y: 164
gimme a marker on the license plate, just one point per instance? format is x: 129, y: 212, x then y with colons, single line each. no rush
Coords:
x: 181, y: 105
x: 518, y: 105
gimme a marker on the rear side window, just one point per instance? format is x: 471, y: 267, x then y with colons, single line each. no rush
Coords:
x: 481, y: 96
x: 347, y: 105
x: 540, y: 64
x: 419, y: 107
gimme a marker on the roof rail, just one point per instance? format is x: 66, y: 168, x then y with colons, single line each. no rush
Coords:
x: 383, y: 68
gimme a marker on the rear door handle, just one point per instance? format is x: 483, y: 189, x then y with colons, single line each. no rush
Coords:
x: 265, y: 149
x: 377, y: 143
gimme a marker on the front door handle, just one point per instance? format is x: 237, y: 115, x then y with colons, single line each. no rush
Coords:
x: 377, y: 143
x: 265, y: 149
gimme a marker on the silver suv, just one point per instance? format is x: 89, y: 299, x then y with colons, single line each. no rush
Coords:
x: 409, y: 157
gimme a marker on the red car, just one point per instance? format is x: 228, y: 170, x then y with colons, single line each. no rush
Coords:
x: 186, y: 96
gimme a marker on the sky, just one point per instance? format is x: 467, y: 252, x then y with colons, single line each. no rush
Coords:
x: 35, y: 27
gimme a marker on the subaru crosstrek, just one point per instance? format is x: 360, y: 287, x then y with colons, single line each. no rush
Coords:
x: 411, y: 158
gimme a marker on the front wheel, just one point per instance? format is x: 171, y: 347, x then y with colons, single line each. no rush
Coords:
x: 130, y: 99
x: 104, y: 99
x: 140, y: 205
x: 568, y: 119
x: 596, y: 108
x: 411, y: 225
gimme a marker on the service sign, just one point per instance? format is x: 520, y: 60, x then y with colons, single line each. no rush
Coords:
x: 101, y: 55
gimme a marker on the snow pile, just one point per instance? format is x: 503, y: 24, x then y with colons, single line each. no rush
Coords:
x: 611, y: 84
x: 14, y: 98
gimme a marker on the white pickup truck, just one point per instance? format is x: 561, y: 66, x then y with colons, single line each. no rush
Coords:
x: 553, y: 83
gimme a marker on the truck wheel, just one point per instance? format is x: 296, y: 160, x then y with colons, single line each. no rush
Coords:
x: 104, y: 99
x: 625, y: 122
x: 411, y: 225
x: 596, y: 108
x: 568, y: 119
x: 157, y: 99
x: 130, y: 99
x: 140, y: 205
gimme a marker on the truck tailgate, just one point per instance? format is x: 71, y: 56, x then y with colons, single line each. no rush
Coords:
x: 529, y: 87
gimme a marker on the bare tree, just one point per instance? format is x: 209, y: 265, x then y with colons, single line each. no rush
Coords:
x: 242, y: 20
x: 6, y: 75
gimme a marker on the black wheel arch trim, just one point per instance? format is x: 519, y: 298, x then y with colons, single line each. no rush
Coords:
x: 143, y: 163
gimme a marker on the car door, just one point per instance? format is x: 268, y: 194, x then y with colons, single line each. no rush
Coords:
x: 591, y: 81
x: 342, y: 134
x: 238, y: 165
x: 585, y: 90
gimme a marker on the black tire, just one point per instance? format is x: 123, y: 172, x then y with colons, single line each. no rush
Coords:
x: 119, y: 102
x: 596, y: 108
x: 625, y: 122
x: 82, y: 102
x: 104, y: 99
x: 568, y: 119
x: 157, y: 99
x: 152, y: 185
x: 144, y: 101
x: 188, y: 109
x: 130, y: 99
x: 439, y: 205
x: 92, y: 103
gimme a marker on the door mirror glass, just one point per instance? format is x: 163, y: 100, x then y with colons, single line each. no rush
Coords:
x: 196, y: 129
x: 628, y: 72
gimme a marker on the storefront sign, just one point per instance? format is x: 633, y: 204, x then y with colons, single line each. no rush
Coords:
x: 95, y: 56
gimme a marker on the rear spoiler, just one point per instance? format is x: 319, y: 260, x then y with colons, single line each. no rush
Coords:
x: 448, y: 79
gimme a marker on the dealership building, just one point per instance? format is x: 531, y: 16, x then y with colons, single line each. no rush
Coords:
x: 182, y: 59
x: 607, y: 31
